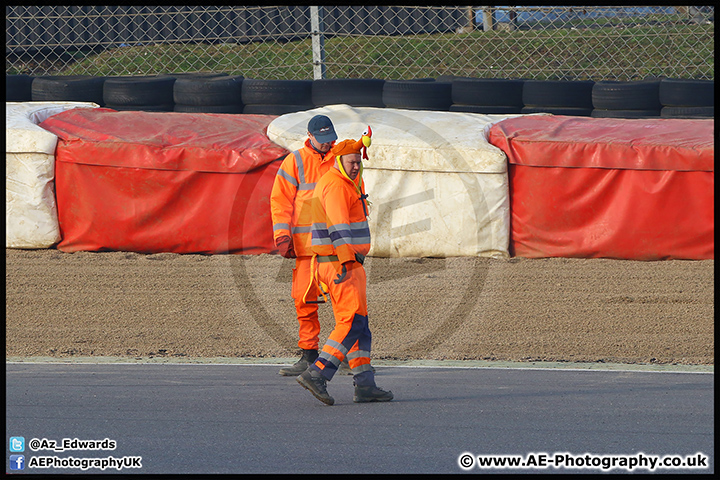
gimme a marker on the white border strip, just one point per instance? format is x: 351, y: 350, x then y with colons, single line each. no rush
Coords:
x: 467, y: 364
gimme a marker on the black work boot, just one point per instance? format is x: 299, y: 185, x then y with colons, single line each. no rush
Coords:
x: 307, y: 359
x: 317, y: 386
x: 371, y: 393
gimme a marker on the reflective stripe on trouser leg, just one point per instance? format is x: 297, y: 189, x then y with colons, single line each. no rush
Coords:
x: 333, y: 352
x: 307, y: 313
x: 351, y: 336
x: 359, y: 362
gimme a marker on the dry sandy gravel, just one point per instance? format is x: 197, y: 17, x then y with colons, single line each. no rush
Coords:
x: 168, y: 305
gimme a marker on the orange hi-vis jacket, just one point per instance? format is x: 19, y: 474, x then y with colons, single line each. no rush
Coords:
x: 339, y: 215
x: 292, y: 193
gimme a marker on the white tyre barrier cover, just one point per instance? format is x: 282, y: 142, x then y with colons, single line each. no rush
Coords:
x: 437, y: 187
x: 31, y: 212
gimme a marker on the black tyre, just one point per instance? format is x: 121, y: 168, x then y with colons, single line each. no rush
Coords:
x: 164, y: 107
x: 445, y: 78
x: 74, y: 88
x: 137, y: 91
x: 18, y: 88
x: 358, y: 92
x: 209, y: 108
x: 570, y: 111
x: 275, y: 109
x: 487, y: 91
x: 218, y: 90
x: 640, y: 95
x: 557, y: 93
x: 603, y: 113
x: 687, y: 93
x: 486, y: 109
x: 417, y: 95
x: 276, y: 92
x: 180, y: 75
x: 687, y: 112
x: 451, y: 78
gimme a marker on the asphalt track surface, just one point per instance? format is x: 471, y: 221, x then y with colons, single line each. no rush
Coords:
x: 239, y: 418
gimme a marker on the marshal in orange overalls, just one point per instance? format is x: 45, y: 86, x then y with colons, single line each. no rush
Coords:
x: 291, y: 216
x: 341, y: 239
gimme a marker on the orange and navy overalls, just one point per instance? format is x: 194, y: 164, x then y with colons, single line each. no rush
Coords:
x: 290, y: 201
x: 339, y: 231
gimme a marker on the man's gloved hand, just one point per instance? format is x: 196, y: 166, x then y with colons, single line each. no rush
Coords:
x: 342, y: 275
x: 285, y: 247
x: 360, y: 258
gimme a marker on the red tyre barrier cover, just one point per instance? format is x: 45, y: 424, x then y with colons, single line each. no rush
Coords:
x: 640, y: 189
x: 164, y: 182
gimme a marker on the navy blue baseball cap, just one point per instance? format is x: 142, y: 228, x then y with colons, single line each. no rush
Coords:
x: 322, y: 129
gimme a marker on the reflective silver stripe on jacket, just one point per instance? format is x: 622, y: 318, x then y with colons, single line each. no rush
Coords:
x: 320, y: 235
x: 356, y: 233
x: 282, y: 173
x: 305, y: 229
x: 301, y: 173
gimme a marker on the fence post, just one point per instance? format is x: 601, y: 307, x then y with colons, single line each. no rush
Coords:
x: 470, y: 22
x: 488, y: 19
x: 318, y: 42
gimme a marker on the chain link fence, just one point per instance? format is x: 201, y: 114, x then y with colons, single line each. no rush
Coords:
x: 386, y: 42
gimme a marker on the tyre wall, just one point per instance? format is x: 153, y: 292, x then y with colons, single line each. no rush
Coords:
x: 31, y: 217
x: 211, y: 93
x: 424, y: 186
x: 610, y: 188
x: 437, y: 187
x: 164, y: 182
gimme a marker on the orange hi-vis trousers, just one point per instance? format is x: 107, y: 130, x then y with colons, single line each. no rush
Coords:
x: 307, y: 313
x: 351, y: 336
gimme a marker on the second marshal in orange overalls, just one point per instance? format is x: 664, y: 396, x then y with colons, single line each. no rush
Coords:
x: 340, y: 242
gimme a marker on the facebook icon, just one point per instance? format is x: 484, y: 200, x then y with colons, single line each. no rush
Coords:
x: 17, y: 462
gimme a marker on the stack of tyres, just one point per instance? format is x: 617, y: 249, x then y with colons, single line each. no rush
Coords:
x: 684, y: 98
x: 276, y: 97
x: 208, y: 93
x: 487, y: 95
x: 559, y: 97
x: 18, y: 88
x: 356, y: 92
x: 140, y: 93
x: 419, y: 94
x: 638, y: 99
x: 72, y: 88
